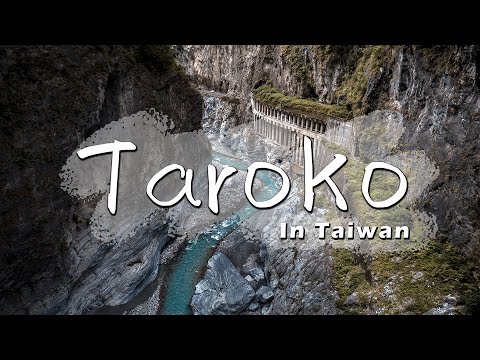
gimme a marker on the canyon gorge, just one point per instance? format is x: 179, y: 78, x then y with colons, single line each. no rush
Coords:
x: 414, y: 107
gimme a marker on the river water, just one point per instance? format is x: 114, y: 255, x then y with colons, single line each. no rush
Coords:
x: 186, y: 270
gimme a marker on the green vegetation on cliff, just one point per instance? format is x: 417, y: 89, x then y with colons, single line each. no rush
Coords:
x: 293, y: 54
x: 369, y: 67
x: 269, y: 95
x: 383, y: 185
x: 405, y: 282
x: 408, y: 280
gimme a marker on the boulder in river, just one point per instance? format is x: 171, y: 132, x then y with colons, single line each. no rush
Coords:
x: 223, y: 291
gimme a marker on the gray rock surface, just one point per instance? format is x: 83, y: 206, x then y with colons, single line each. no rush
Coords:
x: 223, y: 291
x: 257, y: 274
x: 264, y: 294
x: 250, y: 281
x: 253, y: 306
x: 352, y: 300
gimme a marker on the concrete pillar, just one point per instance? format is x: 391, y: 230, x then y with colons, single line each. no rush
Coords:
x: 297, y: 147
x: 301, y: 150
x: 294, y: 146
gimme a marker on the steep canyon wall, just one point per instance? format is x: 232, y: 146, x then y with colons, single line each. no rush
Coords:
x: 434, y: 89
x: 52, y: 98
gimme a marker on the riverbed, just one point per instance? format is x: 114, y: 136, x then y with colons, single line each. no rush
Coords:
x: 186, y: 270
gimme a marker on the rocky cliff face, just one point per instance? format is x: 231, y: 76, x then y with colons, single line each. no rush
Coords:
x: 51, y: 99
x: 436, y: 89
